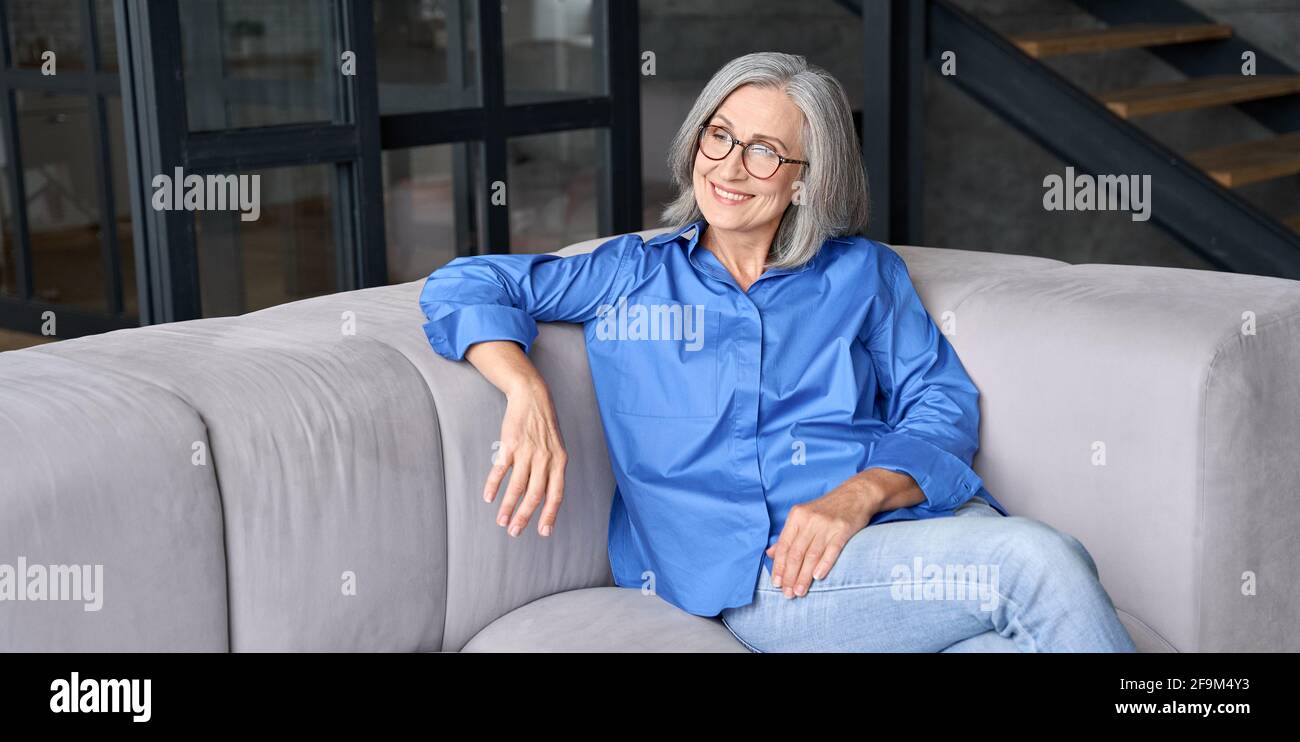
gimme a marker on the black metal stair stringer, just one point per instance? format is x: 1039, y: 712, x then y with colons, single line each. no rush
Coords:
x: 1199, y: 60
x: 1210, y: 220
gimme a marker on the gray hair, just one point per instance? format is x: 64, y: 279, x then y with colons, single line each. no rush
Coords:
x: 834, y: 200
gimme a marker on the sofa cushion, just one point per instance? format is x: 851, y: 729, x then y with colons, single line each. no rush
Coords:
x: 484, y: 572
x: 1151, y: 413
x: 326, y: 452
x: 620, y: 619
x: 98, y: 470
x: 603, y: 619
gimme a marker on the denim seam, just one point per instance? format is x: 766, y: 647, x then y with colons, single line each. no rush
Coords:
x: 748, y: 646
x: 857, y: 585
x: 1013, y: 620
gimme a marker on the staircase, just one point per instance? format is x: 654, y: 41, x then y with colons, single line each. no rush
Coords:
x: 1231, y: 165
x: 1131, y: 36
x: 1195, y: 191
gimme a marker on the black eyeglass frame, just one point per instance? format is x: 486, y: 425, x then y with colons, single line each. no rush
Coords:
x: 699, y: 146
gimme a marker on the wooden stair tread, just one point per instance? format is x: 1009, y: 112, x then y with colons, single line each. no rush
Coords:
x: 1237, y: 164
x: 1199, y: 92
x: 1128, y: 36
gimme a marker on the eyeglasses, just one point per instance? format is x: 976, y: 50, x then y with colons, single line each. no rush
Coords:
x: 758, y: 158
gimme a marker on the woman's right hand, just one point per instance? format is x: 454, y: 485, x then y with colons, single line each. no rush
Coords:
x: 532, y: 447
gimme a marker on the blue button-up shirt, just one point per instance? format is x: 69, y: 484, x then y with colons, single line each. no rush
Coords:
x: 724, y: 408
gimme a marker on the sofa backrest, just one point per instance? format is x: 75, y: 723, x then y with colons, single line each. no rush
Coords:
x: 97, y: 487
x: 1153, y: 413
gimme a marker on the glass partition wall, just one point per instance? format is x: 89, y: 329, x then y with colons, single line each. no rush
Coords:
x: 526, y: 136
x: 236, y: 154
x: 66, y: 250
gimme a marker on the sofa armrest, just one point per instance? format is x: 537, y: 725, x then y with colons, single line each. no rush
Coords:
x: 1129, y: 407
x: 110, y: 528
x: 489, y: 572
x: 486, y: 572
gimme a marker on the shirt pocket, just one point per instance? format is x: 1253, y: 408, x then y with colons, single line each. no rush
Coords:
x: 666, y: 361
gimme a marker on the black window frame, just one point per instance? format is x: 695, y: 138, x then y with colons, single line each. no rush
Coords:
x: 490, y: 125
x: 151, y: 83
x: 154, y: 107
x: 25, y: 312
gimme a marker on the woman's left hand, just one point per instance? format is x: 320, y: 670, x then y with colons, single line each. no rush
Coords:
x: 816, y: 531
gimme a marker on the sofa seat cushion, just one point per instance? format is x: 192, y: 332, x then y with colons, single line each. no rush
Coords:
x: 620, y: 619
x: 603, y: 619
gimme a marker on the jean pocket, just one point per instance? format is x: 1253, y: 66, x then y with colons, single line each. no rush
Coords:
x: 666, y: 357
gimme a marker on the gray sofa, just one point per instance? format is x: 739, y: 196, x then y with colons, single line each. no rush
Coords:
x: 275, y: 482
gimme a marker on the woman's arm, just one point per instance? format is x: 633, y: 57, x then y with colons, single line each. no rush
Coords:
x: 923, y: 461
x: 504, y: 363
x: 932, y: 406
x: 484, y: 309
x: 886, y: 489
x: 502, y: 297
x: 531, y: 443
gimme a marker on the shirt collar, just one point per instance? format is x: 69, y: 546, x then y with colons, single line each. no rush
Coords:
x: 670, y: 236
x: 696, y: 228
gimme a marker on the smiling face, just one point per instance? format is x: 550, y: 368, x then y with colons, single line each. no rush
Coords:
x: 729, y: 197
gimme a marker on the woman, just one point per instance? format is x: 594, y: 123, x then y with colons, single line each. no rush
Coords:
x: 788, y: 428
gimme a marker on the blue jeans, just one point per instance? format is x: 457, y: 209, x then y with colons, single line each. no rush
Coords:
x: 977, y: 581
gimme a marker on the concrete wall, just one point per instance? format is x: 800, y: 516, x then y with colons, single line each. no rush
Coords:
x: 691, y: 40
x: 983, y: 179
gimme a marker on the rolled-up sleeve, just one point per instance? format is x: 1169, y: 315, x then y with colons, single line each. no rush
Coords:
x: 502, y: 297
x: 931, y: 404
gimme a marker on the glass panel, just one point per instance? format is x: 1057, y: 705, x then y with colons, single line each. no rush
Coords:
x: 59, y: 175
x: 122, y: 204
x: 427, y: 53
x: 550, y: 51
x: 259, y: 62
x: 287, y: 253
x: 421, y: 222
x: 9, y: 248
x: 553, y: 187
x: 38, y: 26
x: 106, y: 30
